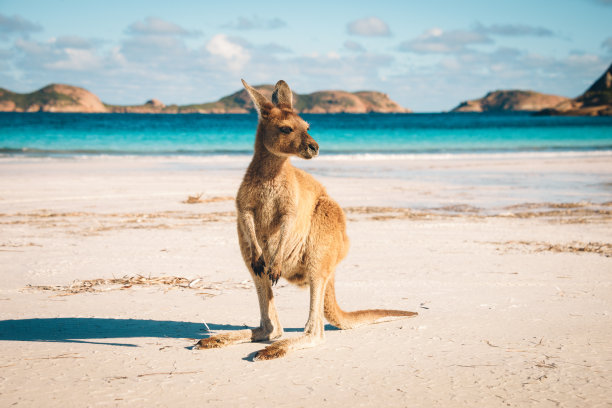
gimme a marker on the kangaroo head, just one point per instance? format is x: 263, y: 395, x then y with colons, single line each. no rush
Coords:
x: 282, y: 131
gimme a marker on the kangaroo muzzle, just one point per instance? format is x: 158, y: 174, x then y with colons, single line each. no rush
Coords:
x: 312, y: 149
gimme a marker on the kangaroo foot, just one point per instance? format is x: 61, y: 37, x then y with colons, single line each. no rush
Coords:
x: 280, y: 348
x: 218, y: 341
x: 275, y: 350
x: 239, y: 336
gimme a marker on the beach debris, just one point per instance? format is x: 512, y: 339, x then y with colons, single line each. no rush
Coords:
x: 120, y: 377
x: 601, y: 248
x: 459, y: 208
x: 578, y: 212
x: 194, y: 199
x: 197, y: 199
x: 127, y: 282
x: 490, y: 344
x: 193, y: 283
x: 170, y: 373
x: 64, y: 355
x: 545, y: 364
x: 93, y: 223
x: 12, y: 244
x: 422, y: 305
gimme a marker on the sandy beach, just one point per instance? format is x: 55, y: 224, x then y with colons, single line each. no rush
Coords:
x: 110, y: 273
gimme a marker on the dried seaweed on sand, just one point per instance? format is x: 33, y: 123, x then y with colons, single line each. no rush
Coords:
x: 600, y: 248
x: 197, y: 199
x: 126, y: 282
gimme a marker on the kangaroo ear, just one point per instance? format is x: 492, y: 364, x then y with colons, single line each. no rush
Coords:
x: 282, y: 94
x: 261, y: 103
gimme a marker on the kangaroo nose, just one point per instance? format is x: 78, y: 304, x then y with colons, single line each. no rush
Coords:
x: 313, y: 147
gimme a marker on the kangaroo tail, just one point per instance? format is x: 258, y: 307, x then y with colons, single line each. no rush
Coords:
x: 348, y: 320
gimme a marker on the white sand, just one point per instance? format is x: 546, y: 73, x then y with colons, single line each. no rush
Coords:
x: 511, y: 312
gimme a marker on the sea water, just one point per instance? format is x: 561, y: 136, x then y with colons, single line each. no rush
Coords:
x: 65, y: 134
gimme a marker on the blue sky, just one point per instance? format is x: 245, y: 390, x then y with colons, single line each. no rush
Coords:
x: 427, y: 55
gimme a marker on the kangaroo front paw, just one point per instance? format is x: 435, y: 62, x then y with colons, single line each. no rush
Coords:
x: 258, y: 266
x: 274, y: 273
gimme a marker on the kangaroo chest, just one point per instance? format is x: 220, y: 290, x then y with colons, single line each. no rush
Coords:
x: 271, y: 200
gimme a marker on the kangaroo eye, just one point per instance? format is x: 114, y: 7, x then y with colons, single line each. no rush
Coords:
x: 286, y: 129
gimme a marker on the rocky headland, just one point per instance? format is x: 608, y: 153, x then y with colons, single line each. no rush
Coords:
x: 510, y: 100
x: 595, y: 101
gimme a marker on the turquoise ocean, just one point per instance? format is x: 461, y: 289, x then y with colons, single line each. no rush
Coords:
x: 64, y: 134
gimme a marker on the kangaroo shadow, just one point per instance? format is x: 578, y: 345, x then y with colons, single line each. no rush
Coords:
x: 84, y: 330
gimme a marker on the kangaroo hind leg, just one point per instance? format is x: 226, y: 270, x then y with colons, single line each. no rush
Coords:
x: 269, y: 325
x: 314, y: 331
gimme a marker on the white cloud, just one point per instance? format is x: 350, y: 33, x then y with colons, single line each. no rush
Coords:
x: 333, y: 71
x: 235, y: 55
x: 77, y: 60
x: 16, y: 25
x: 256, y: 23
x: 116, y: 58
x: 582, y: 60
x: 369, y: 27
x: 438, y: 41
x: 513, y: 30
x: 156, y: 44
x: 66, y: 53
x: 353, y: 46
x: 149, y: 49
x: 157, y: 26
x: 73, y: 41
x: 272, y: 48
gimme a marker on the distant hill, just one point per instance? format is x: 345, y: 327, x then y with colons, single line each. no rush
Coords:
x: 316, y: 102
x: 595, y: 101
x: 67, y: 98
x: 510, y: 100
x: 51, y: 98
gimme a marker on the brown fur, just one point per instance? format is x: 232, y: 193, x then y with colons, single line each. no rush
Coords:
x: 289, y: 227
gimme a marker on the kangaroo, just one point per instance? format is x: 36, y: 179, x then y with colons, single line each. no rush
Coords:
x: 289, y: 227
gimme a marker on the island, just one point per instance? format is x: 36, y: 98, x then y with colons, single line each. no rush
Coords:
x: 68, y: 98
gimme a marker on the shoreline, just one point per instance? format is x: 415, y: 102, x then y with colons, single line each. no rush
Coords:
x: 232, y: 155
x: 33, y: 154
x: 489, y: 183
